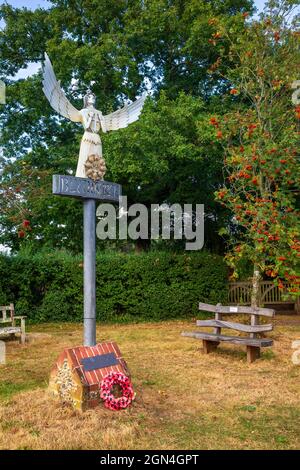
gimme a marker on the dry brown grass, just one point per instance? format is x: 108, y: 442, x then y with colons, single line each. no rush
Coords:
x: 185, y: 400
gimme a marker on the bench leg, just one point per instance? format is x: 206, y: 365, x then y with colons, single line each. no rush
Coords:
x: 209, y: 346
x: 23, y: 333
x: 253, y: 353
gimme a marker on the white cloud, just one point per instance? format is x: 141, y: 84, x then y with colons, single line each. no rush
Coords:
x: 31, y: 69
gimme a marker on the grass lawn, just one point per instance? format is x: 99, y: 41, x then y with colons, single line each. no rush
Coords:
x: 185, y: 400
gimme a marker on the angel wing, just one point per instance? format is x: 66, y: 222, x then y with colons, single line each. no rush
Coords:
x: 55, y: 94
x: 124, y: 116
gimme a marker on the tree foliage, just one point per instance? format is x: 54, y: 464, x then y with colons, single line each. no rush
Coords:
x: 124, y: 47
x: 262, y: 146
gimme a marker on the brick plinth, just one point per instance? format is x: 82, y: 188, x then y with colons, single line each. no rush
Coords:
x: 72, y: 383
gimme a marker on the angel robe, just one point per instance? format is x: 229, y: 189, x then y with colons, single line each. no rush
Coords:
x: 92, y: 121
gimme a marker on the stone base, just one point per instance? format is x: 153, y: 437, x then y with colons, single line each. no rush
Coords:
x: 73, y: 384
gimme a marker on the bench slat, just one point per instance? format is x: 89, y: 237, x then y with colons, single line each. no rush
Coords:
x: 235, y: 326
x: 258, y: 342
x: 9, y: 330
x: 267, y: 312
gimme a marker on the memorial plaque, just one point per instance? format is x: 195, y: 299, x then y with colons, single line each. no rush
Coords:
x: 100, y: 361
x: 86, y: 188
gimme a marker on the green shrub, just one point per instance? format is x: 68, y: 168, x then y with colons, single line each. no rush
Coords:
x: 144, y: 287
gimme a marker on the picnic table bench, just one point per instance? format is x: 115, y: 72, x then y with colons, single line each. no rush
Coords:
x: 252, y: 342
x: 8, y: 317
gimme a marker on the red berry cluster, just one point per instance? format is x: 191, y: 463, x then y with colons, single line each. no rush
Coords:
x: 24, y: 228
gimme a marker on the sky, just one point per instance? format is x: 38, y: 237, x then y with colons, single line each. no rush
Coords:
x: 32, y: 4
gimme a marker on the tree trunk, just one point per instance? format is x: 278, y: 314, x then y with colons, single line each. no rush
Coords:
x: 255, y: 300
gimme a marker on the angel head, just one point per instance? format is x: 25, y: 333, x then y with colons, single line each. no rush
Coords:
x: 89, y: 99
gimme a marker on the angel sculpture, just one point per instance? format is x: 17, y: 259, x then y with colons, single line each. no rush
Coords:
x: 90, y: 162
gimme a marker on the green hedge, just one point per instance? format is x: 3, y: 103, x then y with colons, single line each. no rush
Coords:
x: 144, y: 287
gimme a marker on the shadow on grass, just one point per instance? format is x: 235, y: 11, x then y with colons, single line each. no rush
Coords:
x: 239, y: 354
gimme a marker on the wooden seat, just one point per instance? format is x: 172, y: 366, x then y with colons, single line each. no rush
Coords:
x: 260, y: 342
x: 253, y: 342
x: 8, y: 317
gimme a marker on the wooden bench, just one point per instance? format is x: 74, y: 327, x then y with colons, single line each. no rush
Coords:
x: 8, y: 317
x: 253, y: 342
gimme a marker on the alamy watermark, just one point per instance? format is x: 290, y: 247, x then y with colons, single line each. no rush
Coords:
x: 157, y: 222
x: 2, y: 353
x: 2, y: 92
x: 296, y: 93
x: 296, y: 354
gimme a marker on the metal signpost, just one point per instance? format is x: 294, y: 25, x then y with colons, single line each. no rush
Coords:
x: 89, y: 192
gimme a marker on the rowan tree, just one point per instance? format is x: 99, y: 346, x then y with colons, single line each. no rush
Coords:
x: 261, y: 145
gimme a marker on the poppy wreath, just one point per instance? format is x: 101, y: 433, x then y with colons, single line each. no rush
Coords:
x: 110, y: 401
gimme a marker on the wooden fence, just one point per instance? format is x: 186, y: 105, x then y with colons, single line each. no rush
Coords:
x: 269, y: 294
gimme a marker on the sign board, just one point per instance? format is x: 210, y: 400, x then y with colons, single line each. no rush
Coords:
x: 100, y: 361
x: 86, y: 188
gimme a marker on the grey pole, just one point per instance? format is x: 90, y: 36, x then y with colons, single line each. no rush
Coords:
x: 89, y: 260
x: 90, y: 192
